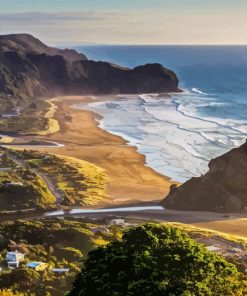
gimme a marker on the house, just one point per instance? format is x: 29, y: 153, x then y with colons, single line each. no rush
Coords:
x: 14, y: 112
x: 11, y: 113
x: 213, y: 249
x: 14, y: 258
x: 60, y: 270
x: 118, y: 222
x: 236, y: 250
x: 38, y: 266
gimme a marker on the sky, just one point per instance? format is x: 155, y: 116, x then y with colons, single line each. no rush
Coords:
x: 75, y: 22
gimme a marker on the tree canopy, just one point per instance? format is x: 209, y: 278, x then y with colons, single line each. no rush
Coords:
x: 156, y: 260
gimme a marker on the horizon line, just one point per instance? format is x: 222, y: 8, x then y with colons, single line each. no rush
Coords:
x: 121, y: 44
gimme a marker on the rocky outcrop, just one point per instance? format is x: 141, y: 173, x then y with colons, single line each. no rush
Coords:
x: 29, y: 68
x: 222, y: 188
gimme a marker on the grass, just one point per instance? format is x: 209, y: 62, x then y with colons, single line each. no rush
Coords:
x: 52, y: 125
x: 79, y: 183
x: 35, y: 118
x: 31, y: 191
x: 6, y: 140
x: 194, y: 230
x: 92, y: 184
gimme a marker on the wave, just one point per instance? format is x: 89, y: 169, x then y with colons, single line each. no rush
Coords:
x: 191, y: 110
x: 196, y: 90
x: 177, y: 140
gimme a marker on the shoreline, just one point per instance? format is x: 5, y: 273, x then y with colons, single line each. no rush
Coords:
x: 130, y: 179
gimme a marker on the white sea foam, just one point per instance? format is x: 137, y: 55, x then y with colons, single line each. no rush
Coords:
x: 196, y: 90
x: 176, y: 139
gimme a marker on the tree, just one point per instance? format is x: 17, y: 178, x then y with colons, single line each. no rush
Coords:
x: 156, y: 260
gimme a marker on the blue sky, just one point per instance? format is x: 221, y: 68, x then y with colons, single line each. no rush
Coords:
x: 64, y: 5
x: 127, y: 22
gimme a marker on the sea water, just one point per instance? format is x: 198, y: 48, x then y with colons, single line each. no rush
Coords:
x: 180, y: 133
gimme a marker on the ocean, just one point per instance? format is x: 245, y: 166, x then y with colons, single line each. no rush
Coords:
x: 180, y: 133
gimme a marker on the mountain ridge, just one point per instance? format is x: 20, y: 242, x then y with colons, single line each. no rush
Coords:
x: 29, y: 68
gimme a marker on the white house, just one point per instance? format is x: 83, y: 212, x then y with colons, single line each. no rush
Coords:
x: 14, y: 258
x: 236, y: 250
x: 118, y: 222
x: 213, y: 249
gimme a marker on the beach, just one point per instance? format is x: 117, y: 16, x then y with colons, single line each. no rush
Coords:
x: 130, y: 180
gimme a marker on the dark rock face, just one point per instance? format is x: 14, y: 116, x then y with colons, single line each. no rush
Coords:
x: 29, y: 68
x: 222, y: 188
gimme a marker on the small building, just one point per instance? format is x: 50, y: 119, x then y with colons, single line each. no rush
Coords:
x: 213, y: 249
x: 38, y: 266
x: 14, y: 112
x: 236, y: 250
x: 117, y: 222
x: 14, y: 258
x: 60, y: 270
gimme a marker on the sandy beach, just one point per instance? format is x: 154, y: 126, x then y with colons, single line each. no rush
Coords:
x: 129, y: 179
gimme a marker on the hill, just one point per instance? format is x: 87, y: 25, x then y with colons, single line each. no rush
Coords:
x: 222, y: 188
x: 27, y: 43
x: 29, y: 68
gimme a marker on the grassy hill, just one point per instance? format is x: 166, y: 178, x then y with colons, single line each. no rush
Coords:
x: 56, y: 242
x: 30, y: 179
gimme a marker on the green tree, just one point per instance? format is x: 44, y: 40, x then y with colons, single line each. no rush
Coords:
x: 156, y: 260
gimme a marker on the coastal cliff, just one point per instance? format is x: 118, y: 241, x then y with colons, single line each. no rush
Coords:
x: 222, y: 188
x: 29, y: 68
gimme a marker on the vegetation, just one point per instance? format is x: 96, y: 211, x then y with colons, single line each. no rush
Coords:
x: 77, y: 182
x: 22, y: 189
x: 156, y: 260
x: 52, y: 125
x: 33, y: 117
x: 33, y: 180
x: 8, y: 292
x: 60, y: 243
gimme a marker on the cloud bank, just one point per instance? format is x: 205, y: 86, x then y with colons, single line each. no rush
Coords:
x: 129, y: 27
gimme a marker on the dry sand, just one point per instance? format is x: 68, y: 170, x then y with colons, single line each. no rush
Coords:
x: 129, y: 179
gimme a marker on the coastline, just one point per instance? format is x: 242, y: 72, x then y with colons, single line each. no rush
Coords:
x: 130, y: 179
